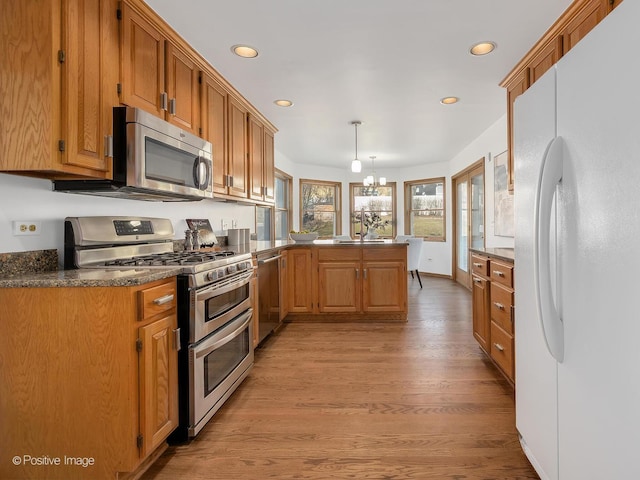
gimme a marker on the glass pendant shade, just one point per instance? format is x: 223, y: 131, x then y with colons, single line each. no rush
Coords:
x: 383, y: 180
x: 356, y: 166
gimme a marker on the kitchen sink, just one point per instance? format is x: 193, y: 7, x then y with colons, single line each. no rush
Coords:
x: 353, y: 242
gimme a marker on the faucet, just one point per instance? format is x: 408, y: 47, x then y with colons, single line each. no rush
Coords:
x: 362, y: 224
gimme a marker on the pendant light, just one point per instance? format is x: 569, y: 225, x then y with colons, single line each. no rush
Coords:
x: 356, y: 165
x: 371, y: 182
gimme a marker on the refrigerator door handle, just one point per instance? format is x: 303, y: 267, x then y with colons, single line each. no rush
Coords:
x: 549, y: 178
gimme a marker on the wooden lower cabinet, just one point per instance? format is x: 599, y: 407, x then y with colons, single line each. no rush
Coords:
x: 300, y: 281
x: 350, y: 283
x: 87, y: 372
x: 493, y: 311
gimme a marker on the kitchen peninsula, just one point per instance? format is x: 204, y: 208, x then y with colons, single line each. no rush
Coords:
x: 338, y: 280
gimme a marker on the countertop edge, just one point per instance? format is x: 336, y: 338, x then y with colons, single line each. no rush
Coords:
x: 506, y: 254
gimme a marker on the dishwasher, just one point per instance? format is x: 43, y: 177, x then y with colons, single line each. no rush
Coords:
x: 268, y: 293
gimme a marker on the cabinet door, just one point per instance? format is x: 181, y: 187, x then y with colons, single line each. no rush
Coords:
x: 481, y: 318
x: 516, y: 88
x: 300, y: 280
x: 339, y: 287
x: 269, y: 182
x: 142, y: 52
x: 545, y: 59
x: 384, y: 287
x: 256, y: 152
x: 237, y: 149
x: 182, y: 89
x: 284, y: 284
x: 158, y: 370
x: 214, y: 107
x: 593, y: 12
x: 90, y: 77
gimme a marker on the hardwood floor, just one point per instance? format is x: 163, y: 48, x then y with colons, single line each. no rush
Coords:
x: 353, y: 401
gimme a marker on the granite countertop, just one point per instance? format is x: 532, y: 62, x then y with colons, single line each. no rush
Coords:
x: 262, y: 247
x: 500, y: 253
x: 88, y: 278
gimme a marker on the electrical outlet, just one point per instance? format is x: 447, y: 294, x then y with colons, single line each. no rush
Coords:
x: 26, y: 227
x: 225, y: 224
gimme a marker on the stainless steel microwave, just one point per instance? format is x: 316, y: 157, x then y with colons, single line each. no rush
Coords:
x: 152, y: 160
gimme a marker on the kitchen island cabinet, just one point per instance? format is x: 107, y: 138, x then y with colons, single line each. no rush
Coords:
x: 87, y: 373
x: 352, y: 282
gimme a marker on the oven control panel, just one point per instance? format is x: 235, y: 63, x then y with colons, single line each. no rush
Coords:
x: 229, y: 270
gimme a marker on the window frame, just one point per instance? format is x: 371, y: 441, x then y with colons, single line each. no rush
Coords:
x: 394, y: 209
x: 408, y: 210
x: 337, y: 201
x: 279, y: 174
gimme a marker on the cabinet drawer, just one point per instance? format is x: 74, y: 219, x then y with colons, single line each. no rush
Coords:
x: 502, y: 349
x: 501, y: 301
x: 501, y: 273
x: 480, y: 265
x: 157, y: 299
x: 332, y: 254
x: 385, y: 253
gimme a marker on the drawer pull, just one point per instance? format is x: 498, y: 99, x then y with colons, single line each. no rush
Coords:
x: 176, y: 339
x: 498, y: 273
x: 498, y: 347
x: 499, y: 305
x: 477, y: 280
x: 164, y: 299
x: 477, y: 265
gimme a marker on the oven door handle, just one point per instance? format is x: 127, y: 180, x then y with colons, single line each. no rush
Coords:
x: 270, y: 259
x: 245, y: 318
x: 223, y: 287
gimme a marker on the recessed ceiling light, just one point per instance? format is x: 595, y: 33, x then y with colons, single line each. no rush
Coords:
x: 482, y: 48
x: 449, y: 100
x: 244, y: 51
x: 283, y: 103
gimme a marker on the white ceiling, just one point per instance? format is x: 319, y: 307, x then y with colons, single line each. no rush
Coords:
x: 386, y: 63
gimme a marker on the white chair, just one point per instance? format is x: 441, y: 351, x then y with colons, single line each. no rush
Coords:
x: 413, y: 254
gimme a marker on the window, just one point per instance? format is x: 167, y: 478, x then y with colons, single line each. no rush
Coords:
x: 425, y: 212
x: 320, y: 207
x: 283, y: 211
x: 378, y: 204
x: 263, y: 223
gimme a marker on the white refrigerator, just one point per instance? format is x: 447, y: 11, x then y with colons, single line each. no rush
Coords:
x: 577, y: 279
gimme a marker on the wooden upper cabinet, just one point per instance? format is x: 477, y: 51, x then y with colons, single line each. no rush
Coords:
x: 269, y: 167
x: 256, y: 156
x: 238, y: 157
x: 89, y: 82
x: 182, y: 77
x: 142, y: 69
x: 615, y: 3
x: 158, y: 76
x: 515, y: 88
x: 214, y: 107
x: 58, y: 64
x: 592, y: 14
x: 546, y: 57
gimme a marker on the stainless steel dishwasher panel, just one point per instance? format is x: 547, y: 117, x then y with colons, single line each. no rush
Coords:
x: 268, y: 294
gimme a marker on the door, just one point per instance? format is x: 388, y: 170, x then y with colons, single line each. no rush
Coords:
x: 536, y: 370
x: 142, y: 69
x: 300, y: 280
x: 214, y: 107
x: 469, y: 219
x: 158, y: 382
x: 339, y: 287
x: 182, y: 76
x: 384, y: 285
x: 256, y: 151
x: 599, y: 386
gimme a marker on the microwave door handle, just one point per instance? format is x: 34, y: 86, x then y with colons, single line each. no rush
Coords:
x: 200, y: 166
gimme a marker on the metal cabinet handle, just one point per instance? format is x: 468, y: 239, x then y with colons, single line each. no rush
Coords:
x: 164, y: 299
x: 108, y: 146
x: 365, y: 273
x: 477, y: 280
x: 176, y: 339
x: 477, y: 264
x: 172, y: 106
x: 499, y: 305
x: 498, y: 347
x: 498, y: 273
x: 357, y: 273
x: 163, y: 101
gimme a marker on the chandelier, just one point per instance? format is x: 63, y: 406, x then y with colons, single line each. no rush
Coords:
x: 371, y: 182
x: 356, y: 165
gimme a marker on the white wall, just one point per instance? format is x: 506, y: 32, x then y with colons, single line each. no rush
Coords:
x: 24, y: 198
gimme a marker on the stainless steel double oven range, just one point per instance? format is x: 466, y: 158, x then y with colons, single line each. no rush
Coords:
x: 214, y: 304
